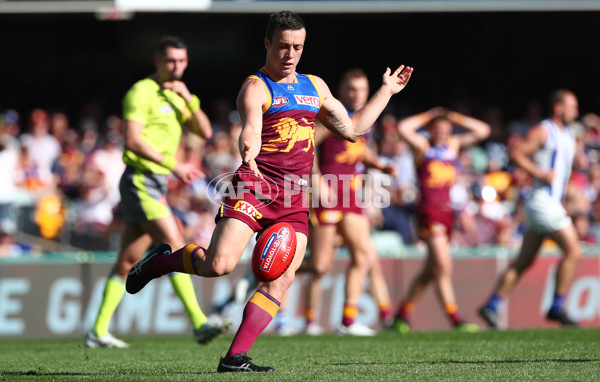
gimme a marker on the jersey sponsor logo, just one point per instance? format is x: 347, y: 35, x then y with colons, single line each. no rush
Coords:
x: 292, y: 132
x: 248, y: 209
x: 307, y: 100
x: 272, y: 248
x: 280, y: 101
x: 166, y: 109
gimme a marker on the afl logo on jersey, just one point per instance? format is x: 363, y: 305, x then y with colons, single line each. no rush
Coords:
x: 280, y: 101
x: 307, y: 100
x: 166, y: 109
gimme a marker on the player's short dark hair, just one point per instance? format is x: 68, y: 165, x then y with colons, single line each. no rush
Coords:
x: 352, y: 73
x: 169, y: 42
x: 282, y: 21
x: 558, y: 96
x: 438, y: 118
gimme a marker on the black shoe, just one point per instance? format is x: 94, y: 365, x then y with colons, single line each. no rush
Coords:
x: 240, y: 362
x: 141, y: 273
x: 561, y: 316
x: 489, y: 316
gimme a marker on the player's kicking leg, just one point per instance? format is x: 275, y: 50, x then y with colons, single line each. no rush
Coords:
x: 258, y: 313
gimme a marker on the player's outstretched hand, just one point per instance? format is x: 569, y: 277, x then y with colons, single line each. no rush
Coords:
x: 397, y: 80
x: 249, y: 160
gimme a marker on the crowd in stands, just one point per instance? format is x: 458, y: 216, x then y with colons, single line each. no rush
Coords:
x: 60, y: 180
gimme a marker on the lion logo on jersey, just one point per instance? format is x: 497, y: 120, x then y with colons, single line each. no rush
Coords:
x: 292, y: 132
x: 442, y: 174
x: 353, y: 152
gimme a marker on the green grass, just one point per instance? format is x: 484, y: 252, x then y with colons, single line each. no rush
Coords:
x: 516, y: 355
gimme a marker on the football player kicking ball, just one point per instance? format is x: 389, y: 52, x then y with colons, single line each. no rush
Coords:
x: 278, y: 108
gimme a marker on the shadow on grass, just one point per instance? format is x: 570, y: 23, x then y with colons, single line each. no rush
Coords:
x: 41, y: 373
x: 468, y: 362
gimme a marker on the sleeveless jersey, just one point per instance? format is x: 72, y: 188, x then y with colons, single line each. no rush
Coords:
x: 288, y: 132
x: 436, y: 171
x: 338, y: 156
x: 556, y: 154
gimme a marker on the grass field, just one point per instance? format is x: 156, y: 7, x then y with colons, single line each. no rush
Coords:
x: 516, y: 355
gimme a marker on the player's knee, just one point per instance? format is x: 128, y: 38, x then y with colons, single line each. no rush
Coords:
x: 361, y: 259
x: 286, y: 280
x: 320, y: 270
x: 442, y: 269
x: 573, y: 255
x: 221, y: 267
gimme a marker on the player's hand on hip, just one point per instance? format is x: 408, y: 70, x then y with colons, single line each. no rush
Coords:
x: 548, y: 177
x: 249, y: 160
x: 397, y: 80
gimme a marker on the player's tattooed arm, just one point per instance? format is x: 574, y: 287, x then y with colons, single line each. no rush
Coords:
x: 336, y: 122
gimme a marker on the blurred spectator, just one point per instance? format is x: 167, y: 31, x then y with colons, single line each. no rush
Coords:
x: 584, y: 232
x: 9, y: 120
x: 219, y: 157
x: 532, y: 116
x: 8, y: 176
x: 93, y: 207
x: 36, y: 180
x: 108, y: 160
x: 43, y: 148
x: 399, y: 215
x: 59, y: 124
x: 68, y: 168
x: 200, y: 222
x: 221, y: 111
x: 8, y: 245
x: 50, y: 216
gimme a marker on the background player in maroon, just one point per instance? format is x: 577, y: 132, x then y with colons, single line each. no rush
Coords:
x: 262, y: 150
x: 338, y: 159
x: 435, y: 163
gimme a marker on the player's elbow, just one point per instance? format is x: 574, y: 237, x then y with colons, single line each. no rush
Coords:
x: 352, y: 137
x: 207, y: 133
x: 485, y: 132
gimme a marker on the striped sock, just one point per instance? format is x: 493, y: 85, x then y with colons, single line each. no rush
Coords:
x: 405, y: 310
x: 258, y: 313
x: 181, y: 260
x: 385, y: 311
x: 113, y: 293
x: 350, y: 312
x: 182, y: 284
x: 311, y: 315
x: 452, y: 312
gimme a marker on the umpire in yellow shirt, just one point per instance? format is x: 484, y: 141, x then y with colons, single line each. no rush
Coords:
x: 154, y: 110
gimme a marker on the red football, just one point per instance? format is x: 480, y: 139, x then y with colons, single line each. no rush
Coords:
x: 274, y: 252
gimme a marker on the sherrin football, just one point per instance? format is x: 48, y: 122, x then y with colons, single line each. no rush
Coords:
x: 274, y: 252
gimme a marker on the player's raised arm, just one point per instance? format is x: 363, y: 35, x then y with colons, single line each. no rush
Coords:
x: 408, y: 127
x: 476, y: 130
x: 335, y: 117
x: 250, y: 101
